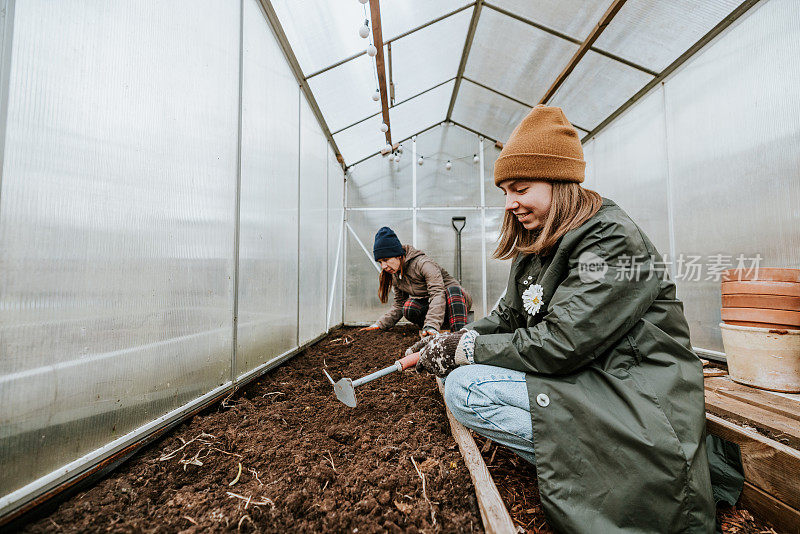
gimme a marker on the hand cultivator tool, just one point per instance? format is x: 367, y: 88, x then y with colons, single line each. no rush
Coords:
x: 345, y: 388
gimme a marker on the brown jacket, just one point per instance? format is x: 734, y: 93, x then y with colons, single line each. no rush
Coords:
x: 422, y: 278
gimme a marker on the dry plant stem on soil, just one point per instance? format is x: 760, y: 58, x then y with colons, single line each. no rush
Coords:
x: 424, y: 493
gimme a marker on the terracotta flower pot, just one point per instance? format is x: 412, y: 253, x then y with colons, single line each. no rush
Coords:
x: 766, y: 274
x: 769, y: 318
x: 763, y: 359
x: 759, y: 287
x: 771, y: 302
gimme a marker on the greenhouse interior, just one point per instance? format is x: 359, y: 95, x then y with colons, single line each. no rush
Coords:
x: 194, y: 201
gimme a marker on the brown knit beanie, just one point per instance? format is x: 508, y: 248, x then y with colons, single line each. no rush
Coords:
x: 544, y: 145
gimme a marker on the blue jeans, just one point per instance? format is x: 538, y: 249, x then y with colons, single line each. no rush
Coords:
x: 493, y: 402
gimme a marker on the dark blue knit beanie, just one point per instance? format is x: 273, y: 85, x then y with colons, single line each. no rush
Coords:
x: 386, y: 244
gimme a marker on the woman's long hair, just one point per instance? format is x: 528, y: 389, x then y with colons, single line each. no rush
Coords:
x: 570, y: 207
x: 385, y: 281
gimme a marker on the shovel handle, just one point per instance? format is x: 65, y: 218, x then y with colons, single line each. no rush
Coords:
x: 407, y: 362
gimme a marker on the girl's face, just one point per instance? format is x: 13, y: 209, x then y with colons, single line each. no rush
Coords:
x: 390, y: 265
x: 528, y: 200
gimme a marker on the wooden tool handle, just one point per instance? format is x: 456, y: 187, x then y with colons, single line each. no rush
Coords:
x: 408, y: 361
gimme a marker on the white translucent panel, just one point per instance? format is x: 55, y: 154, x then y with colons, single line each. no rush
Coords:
x: 117, y: 222
x: 515, y: 58
x: 653, y: 33
x: 361, y: 140
x: 630, y: 167
x: 590, y: 182
x: 575, y: 18
x: 437, y: 238
x: 380, y: 182
x: 437, y: 186
x: 733, y: 114
x: 322, y: 33
x: 487, y: 112
x: 313, y: 226
x: 596, y: 88
x: 335, y: 278
x: 362, y: 304
x: 413, y: 116
x: 267, y: 324
x: 344, y: 94
x: 496, y: 270
x: 427, y: 57
x: 400, y: 16
x: 493, y: 195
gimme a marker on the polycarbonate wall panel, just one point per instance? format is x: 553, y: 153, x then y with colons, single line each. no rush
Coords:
x: 313, y: 225
x: 497, y: 271
x: 344, y: 94
x: 494, y: 195
x: 443, y: 43
x: 267, y: 324
x: 436, y: 186
x: 116, y: 222
x: 653, y: 33
x: 335, y: 231
x: 381, y: 182
x: 523, y: 70
x: 727, y: 163
x: 575, y: 18
x: 437, y: 238
x: 733, y: 114
x: 630, y: 159
x: 596, y: 88
x: 361, y: 301
x: 487, y: 112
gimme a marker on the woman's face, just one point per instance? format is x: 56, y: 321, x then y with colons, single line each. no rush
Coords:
x: 390, y: 265
x: 528, y: 200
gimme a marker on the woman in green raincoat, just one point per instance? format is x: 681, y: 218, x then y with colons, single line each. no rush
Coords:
x: 585, y: 366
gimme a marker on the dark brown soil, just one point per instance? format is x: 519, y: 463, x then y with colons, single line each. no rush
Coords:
x: 308, y: 463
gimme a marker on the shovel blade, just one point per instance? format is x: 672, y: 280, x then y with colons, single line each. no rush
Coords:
x: 345, y: 392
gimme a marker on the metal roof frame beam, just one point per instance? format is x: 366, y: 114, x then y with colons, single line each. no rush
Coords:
x: 473, y: 25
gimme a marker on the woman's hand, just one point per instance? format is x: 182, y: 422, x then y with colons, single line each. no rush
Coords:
x: 370, y: 327
x: 428, y: 331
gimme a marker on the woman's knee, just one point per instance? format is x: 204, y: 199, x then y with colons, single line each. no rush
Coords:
x: 456, y: 390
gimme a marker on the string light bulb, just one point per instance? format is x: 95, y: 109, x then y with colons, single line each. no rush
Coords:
x: 363, y: 31
x: 400, y: 149
x: 387, y: 148
x: 475, y: 159
x: 397, y: 158
x: 363, y: 1
x: 372, y: 51
x: 448, y: 165
x: 376, y: 95
x: 419, y: 161
x: 384, y: 127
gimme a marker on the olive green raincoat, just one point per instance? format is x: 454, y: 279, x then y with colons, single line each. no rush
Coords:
x: 616, y: 392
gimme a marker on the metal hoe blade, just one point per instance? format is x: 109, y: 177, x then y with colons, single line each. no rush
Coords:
x: 344, y: 390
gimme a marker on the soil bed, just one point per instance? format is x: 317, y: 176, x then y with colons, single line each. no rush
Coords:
x: 308, y: 463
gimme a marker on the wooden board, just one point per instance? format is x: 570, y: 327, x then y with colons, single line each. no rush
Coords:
x: 761, y: 504
x: 778, y: 416
x: 494, y: 514
x: 771, y: 466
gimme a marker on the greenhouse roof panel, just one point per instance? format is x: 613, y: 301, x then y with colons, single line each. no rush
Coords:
x: 361, y: 140
x: 654, y: 33
x: 574, y: 18
x: 441, y: 45
x: 523, y: 71
x: 596, y: 88
x: 344, y: 94
x: 487, y: 112
x: 413, y: 116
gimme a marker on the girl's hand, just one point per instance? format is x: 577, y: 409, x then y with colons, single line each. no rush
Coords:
x: 417, y: 346
x: 438, y: 357
x: 370, y: 327
x: 428, y: 331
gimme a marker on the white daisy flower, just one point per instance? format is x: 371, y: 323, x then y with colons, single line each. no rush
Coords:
x: 532, y: 299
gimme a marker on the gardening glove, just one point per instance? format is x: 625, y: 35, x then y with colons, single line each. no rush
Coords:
x: 370, y: 327
x: 445, y: 352
x: 417, y: 346
x: 428, y: 331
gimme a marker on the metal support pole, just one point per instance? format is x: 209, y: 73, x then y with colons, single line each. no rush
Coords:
x: 414, y: 191
x: 481, y: 174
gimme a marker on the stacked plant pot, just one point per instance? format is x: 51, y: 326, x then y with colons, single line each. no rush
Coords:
x: 761, y: 327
